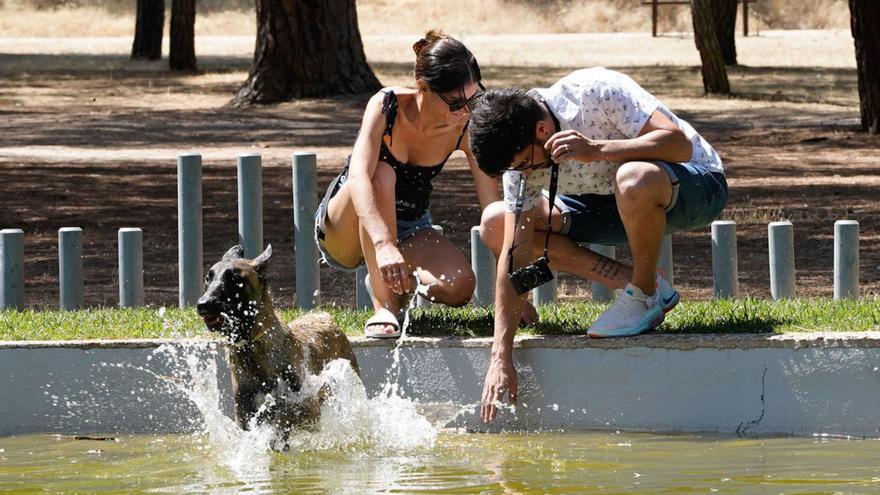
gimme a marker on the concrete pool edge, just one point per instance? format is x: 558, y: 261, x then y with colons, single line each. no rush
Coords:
x: 826, y: 383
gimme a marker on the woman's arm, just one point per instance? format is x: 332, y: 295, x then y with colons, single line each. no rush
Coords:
x: 487, y: 187
x: 364, y: 160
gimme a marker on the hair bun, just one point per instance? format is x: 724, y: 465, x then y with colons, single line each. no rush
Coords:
x: 430, y: 38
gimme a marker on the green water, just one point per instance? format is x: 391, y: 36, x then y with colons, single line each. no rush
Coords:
x: 586, y: 462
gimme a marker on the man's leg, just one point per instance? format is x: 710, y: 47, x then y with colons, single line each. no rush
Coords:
x: 643, y: 191
x: 565, y: 255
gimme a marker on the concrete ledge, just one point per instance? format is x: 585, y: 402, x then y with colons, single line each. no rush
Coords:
x: 730, y: 383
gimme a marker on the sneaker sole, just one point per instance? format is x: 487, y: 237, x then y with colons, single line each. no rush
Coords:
x: 632, y: 331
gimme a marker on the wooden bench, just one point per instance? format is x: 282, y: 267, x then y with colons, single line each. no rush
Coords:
x: 657, y: 3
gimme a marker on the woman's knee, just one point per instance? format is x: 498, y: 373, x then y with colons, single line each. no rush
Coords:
x: 457, y: 290
x: 384, y: 177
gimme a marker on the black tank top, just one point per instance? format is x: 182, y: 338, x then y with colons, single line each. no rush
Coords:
x: 413, y: 188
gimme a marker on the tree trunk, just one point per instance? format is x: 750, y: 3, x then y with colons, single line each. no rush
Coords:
x: 148, y: 30
x: 714, y: 72
x: 182, y: 55
x: 865, y: 23
x: 306, y: 48
x: 724, y: 12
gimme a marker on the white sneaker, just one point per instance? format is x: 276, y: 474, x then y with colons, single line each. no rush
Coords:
x: 665, y: 296
x: 631, y: 313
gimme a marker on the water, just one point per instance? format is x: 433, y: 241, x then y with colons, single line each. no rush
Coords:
x: 583, y: 462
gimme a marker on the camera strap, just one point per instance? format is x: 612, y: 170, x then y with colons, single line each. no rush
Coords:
x: 554, y: 181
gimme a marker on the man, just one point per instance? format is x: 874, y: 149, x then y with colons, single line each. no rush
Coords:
x: 629, y: 170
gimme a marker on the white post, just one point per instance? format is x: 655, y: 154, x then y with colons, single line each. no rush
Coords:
x: 12, y: 269
x: 189, y: 228
x: 846, y: 259
x: 131, y: 268
x: 483, y: 265
x: 305, y: 202
x: 250, y: 204
x: 70, y: 268
x: 780, y: 238
x: 724, y: 262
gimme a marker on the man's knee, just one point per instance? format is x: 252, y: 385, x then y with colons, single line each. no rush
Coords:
x: 492, y: 225
x: 638, y: 182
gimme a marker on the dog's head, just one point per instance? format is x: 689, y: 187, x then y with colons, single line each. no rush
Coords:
x: 236, y: 293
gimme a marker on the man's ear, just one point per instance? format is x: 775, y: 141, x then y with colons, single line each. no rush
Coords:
x: 262, y: 261
x: 543, y: 131
x: 234, y: 253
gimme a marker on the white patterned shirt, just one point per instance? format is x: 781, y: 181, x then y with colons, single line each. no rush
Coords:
x: 601, y: 104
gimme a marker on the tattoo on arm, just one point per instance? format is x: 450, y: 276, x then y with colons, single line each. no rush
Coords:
x: 606, y: 267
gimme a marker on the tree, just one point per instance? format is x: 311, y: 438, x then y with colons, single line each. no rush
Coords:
x: 182, y: 54
x: 713, y: 69
x: 724, y: 12
x: 865, y: 24
x: 148, y: 30
x: 306, y: 48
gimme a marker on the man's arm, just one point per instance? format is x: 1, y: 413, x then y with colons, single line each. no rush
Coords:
x: 659, y: 139
x: 487, y: 187
x: 501, y: 377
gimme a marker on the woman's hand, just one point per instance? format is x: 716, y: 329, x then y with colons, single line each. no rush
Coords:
x: 572, y: 145
x: 393, y: 268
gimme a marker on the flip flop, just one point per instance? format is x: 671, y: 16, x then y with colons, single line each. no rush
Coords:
x: 383, y: 317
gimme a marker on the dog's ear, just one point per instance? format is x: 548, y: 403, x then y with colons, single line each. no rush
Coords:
x: 262, y: 261
x: 234, y: 253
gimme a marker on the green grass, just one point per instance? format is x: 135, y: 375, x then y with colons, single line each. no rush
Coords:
x: 714, y: 316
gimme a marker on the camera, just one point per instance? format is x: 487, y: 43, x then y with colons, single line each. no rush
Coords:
x: 532, y: 275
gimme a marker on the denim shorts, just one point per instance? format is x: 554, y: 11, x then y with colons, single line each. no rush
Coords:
x: 699, y: 196
x: 405, y: 229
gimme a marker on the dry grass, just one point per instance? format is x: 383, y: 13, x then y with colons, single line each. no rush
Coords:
x: 20, y: 18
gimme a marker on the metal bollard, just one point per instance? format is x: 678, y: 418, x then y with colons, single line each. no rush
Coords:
x: 664, y: 262
x: 780, y: 238
x: 70, y: 268
x: 846, y: 259
x: 250, y: 204
x: 12, y: 269
x: 422, y: 302
x: 131, y: 268
x: 305, y: 202
x: 601, y: 292
x: 546, y: 294
x: 362, y: 295
x: 483, y: 265
x: 189, y: 228
x: 724, y: 262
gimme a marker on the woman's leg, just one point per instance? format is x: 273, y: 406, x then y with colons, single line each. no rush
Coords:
x: 341, y: 228
x: 384, y: 180
x: 441, y: 266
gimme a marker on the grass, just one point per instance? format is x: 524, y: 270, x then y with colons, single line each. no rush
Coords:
x: 713, y: 316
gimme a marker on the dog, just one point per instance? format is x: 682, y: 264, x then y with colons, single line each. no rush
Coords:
x: 267, y: 357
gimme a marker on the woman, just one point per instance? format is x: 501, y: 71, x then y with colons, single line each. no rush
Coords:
x: 376, y: 210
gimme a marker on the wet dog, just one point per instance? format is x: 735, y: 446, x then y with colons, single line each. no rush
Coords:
x: 268, y: 359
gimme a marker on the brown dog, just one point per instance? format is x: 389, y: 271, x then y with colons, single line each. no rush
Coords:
x: 265, y: 355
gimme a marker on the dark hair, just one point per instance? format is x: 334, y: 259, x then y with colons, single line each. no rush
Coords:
x: 502, y: 125
x: 444, y: 63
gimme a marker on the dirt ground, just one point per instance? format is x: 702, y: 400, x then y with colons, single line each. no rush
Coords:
x: 90, y: 140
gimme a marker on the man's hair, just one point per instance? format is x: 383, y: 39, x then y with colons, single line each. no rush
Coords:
x: 502, y: 125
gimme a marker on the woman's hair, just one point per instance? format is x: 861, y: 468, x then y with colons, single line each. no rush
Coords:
x: 444, y: 63
x: 502, y: 125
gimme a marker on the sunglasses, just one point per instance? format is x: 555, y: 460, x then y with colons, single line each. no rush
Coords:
x: 470, y: 103
x: 529, y: 165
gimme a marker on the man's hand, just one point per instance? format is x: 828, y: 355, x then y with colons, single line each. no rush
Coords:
x: 572, y: 145
x: 392, y: 266
x: 500, y: 379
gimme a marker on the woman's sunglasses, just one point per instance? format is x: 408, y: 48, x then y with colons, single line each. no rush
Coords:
x: 458, y: 104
